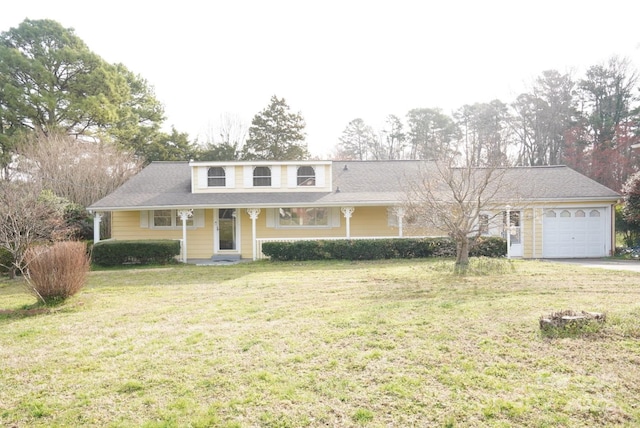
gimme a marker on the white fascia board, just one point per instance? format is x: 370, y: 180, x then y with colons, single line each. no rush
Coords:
x: 259, y: 163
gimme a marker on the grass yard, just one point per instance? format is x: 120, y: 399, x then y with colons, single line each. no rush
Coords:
x: 375, y: 344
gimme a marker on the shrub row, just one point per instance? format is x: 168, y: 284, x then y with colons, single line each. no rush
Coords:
x: 114, y: 253
x: 376, y: 249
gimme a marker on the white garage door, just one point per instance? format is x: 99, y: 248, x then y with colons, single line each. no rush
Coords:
x: 574, y: 233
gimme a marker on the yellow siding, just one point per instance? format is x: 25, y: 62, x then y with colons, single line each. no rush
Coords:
x: 371, y: 221
x: 239, y: 177
x: 532, y: 228
x: 526, y: 231
x: 365, y: 222
x: 125, y: 225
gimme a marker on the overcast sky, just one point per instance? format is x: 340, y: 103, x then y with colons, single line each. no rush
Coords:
x: 334, y: 61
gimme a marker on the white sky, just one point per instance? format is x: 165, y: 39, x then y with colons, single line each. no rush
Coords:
x: 334, y: 61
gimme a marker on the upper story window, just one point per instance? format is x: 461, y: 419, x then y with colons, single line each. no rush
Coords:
x: 216, y: 177
x: 262, y: 176
x: 306, y: 176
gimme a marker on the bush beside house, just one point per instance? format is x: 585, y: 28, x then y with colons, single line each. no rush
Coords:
x: 114, y: 253
x: 377, y: 249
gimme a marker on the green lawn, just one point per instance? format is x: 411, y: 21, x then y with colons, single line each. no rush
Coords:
x: 377, y: 344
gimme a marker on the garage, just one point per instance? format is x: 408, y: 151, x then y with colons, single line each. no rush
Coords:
x: 575, y: 232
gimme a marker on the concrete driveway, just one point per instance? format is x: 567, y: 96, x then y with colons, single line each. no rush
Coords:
x: 602, y: 263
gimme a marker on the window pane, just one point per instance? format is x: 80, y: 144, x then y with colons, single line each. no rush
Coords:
x: 216, y: 177
x: 179, y: 220
x: 594, y: 213
x: 262, y: 176
x: 580, y: 213
x: 306, y: 176
x: 550, y: 214
x: 162, y: 218
x: 565, y: 213
x: 302, y: 217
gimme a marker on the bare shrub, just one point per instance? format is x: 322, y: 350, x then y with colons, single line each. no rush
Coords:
x: 56, y: 272
x: 26, y: 217
x: 78, y: 170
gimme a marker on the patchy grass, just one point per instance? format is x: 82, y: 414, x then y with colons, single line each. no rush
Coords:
x: 376, y: 344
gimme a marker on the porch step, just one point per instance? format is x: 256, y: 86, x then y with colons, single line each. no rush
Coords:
x: 226, y: 258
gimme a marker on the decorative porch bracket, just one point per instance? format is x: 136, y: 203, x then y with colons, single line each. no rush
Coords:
x: 253, y: 214
x: 348, y: 212
x: 184, y: 216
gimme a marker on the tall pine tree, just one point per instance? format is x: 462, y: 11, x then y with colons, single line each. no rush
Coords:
x: 276, y: 134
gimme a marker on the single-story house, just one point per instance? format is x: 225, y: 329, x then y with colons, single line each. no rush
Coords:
x: 228, y: 209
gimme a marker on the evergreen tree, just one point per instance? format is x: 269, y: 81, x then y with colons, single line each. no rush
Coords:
x: 50, y: 82
x: 276, y: 134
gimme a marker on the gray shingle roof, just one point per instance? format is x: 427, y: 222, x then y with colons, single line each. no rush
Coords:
x: 167, y: 184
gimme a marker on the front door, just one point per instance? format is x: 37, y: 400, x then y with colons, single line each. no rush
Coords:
x: 513, y: 227
x: 226, y: 230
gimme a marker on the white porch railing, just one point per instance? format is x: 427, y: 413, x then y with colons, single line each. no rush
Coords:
x: 261, y: 241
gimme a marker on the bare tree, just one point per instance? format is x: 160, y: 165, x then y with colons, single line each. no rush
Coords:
x: 431, y: 133
x: 394, y: 138
x: 452, y: 199
x: 485, y: 132
x: 356, y: 140
x: 224, y: 141
x: 25, y: 218
x: 543, y: 118
x: 78, y: 170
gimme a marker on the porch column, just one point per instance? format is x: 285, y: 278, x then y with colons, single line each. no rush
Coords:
x: 97, y: 219
x: 253, y: 214
x: 399, y: 211
x: 184, y: 216
x: 348, y: 212
x: 508, y: 231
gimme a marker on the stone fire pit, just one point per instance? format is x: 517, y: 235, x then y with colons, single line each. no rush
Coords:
x: 570, y: 320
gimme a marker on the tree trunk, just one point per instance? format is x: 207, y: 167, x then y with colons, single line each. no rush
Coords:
x: 462, y: 254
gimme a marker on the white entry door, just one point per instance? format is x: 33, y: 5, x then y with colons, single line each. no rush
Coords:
x: 226, y: 230
x: 513, y: 227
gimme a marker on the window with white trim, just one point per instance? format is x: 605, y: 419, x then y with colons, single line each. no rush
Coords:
x: 169, y: 219
x: 262, y: 176
x: 306, y: 176
x: 216, y: 177
x: 304, y: 217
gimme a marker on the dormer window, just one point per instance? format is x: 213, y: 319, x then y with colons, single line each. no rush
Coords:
x: 216, y: 177
x: 306, y: 176
x: 262, y: 176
